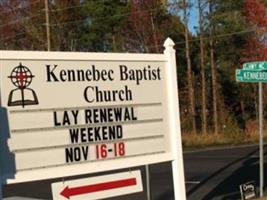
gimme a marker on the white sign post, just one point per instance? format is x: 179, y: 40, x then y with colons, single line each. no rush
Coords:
x: 77, y: 113
x: 174, y: 118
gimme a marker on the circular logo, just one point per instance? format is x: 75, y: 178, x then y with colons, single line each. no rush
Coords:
x: 21, y: 76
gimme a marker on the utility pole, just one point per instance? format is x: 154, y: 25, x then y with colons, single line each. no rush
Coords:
x: 203, y: 73
x: 47, y: 25
x: 213, y: 74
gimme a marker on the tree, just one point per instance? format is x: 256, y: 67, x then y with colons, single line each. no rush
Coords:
x: 228, y: 32
x: 23, y: 24
x: 143, y: 26
x: 15, y: 16
x: 256, y: 48
x: 102, y: 29
x: 191, y: 95
x: 65, y: 19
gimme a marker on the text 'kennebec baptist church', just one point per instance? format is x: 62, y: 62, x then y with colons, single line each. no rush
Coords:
x: 91, y: 74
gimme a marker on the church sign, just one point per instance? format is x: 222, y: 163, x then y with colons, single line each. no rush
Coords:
x: 67, y: 114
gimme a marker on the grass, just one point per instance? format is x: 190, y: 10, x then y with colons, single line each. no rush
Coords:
x: 206, y: 140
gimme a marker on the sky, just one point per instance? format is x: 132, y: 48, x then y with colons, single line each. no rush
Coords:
x: 193, y: 18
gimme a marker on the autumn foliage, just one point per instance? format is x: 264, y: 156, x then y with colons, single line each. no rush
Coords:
x: 256, y: 48
x: 143, y: 27
x: 17, y: 19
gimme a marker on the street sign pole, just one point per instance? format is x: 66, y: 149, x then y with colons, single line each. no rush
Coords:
x: 261, y: 139
x: 256, y: 72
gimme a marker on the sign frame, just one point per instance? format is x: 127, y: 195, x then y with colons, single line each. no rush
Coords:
x: 31, y: 175
x: 175, y: 155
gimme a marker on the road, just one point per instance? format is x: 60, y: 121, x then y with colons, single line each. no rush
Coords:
x: 218, y: 173
x: 210, y: 175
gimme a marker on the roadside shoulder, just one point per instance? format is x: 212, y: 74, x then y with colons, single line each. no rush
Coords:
x: 195, y: 150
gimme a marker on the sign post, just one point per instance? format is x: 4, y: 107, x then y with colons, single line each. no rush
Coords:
x: 78, y: 113
x: 1, y: 186
x: 174, y: 117
x: 261, y: 163
x: 148, y: 188
x: 256, y: 72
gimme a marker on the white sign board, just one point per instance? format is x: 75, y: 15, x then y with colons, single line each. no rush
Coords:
x: 66, y: 114
x: 99, y: 187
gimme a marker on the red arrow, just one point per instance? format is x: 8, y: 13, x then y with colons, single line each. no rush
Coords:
x: 68, y: 192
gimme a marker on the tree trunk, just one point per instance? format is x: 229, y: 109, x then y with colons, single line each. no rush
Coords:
x: 154, y: 33
x: 242, y: 107
x: 213, y: 76
x: 203, y: 73
x: 192, y: 111
x: 114, y: 46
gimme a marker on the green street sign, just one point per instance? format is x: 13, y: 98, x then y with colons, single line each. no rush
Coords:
x: 251, y: 75
x: 255, y: 65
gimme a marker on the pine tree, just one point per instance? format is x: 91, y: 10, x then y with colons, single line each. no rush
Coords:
x: 191, y: 95
x: 102, y: 29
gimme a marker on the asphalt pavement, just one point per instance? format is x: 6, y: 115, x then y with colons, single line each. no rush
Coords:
x: 217, y: 173
x: 211, y: 174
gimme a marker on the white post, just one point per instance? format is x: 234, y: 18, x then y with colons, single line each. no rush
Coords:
x: 1, y: 181
x: 174, y: 118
